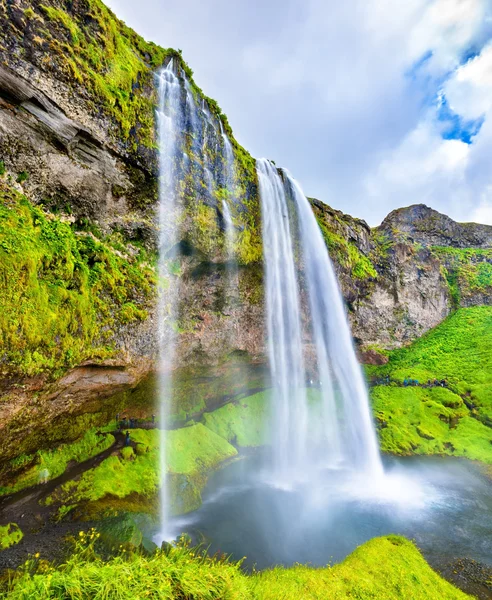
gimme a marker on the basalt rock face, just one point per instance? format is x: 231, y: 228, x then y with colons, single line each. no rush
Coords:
x: 403, y: 278
x: 423, y: 225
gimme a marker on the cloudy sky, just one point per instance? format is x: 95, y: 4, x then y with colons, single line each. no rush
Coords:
x: 371, y: 104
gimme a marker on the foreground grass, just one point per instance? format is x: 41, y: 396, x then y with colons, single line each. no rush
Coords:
x: 385, y: 568
x: 454, y: 421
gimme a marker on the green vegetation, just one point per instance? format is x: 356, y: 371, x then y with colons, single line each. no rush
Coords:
x: 389, y: 567
x: 438, y: 420
x: 49, y: 464
x: 62, y: 292
x: 429, y: 421
x: 192, y: 453
x: 341, y: 249
x: 22, y: 176
x: 467, y: 270
x: 242, y: 423
x: 97, y: 51
x: 9, y: 535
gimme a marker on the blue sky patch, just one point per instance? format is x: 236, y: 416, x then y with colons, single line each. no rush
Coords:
x: 453, y: 126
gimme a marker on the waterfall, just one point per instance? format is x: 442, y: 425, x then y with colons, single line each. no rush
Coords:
x: 331, y: 425
x: 230, y: 232
x: 188, y: 135
x: 169, y: 121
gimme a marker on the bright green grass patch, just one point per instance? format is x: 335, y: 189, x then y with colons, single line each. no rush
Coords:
x: 50, y: 464
x: 389, y: 567
x: 459, y: 350
x: 9, y: 535
x: 196, y: 448
x: 429, y: 421
x: 243, y: 422
x: 61, y: 293
x: 192, y: 454
x: 436, y: 420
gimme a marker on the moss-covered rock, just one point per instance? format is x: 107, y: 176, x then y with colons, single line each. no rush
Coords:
x: 63, y: 293
x: 243, y: 422
x: 9, y: 535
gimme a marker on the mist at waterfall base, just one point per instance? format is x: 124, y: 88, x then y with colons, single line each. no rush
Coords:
x: 443, y: 504
x: 318, y: 489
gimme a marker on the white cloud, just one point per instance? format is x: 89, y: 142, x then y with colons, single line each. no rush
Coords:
x: 469, y: 90
x: 483, y: 212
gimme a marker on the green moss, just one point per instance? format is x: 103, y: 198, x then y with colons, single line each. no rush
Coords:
x: 2, y: 168
x: 388, y: 567
x: 52, y: 463
x: 192, y: 453
x: 94, y: 49
x: 22, y: 176
x: 460, y: 352
x: 242, y: 422
x: 61, y: 292
x: 467, y: 270
x: 345, y: 252
x: 428, y: 421
x: 9, y: 535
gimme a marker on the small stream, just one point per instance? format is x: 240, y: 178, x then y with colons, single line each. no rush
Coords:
x: 445, y: 505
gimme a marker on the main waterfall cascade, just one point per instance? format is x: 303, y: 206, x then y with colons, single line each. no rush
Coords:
x: 330, y: 424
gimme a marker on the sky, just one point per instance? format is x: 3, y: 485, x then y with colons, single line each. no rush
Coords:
x: 371, y: 104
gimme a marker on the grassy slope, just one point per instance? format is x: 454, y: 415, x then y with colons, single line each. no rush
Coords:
x: 56, y: 461
x: 389, y: 567
x: 243, y: 422
x: 426, y: 421
x: 192, y: 453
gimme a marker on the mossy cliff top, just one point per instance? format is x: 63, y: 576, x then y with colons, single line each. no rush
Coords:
x: 86, y: 57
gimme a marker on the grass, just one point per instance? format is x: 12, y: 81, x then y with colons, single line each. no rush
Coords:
x: 389, y: 567
x: 62, y: 292
x: 9, y: 535
x: 54, y: 462
x: 241, y: 423
x: 192, y: 453
x: 428, y: 421
x: 437, y: 420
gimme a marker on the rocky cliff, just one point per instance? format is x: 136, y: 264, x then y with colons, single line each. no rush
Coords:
x: 78, y: 192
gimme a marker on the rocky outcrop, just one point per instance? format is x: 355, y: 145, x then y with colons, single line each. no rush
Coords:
x: 423, y: 225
